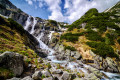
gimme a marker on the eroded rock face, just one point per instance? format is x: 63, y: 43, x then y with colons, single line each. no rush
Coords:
x: 12, y: 61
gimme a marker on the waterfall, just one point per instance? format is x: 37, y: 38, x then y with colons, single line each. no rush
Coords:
x: 28, y: 22
x: 33, y: 26
x: 42, y: 45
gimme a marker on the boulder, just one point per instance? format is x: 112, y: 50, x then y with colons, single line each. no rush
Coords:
x: 77, y: 55
x: 95, y: 71
x: 12, y: 61
x: 46, y: 73
x: 61, y: 48
x: 37, y: 75
x: 66, y: 76
x: 27, y: 78
x: 110, y: 65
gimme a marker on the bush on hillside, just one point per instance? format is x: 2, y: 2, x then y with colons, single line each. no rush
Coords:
x: 53, y: 22
x: 71, y: 37
x: 102, y: 49
x: 70, y: 48
x: 94, y: 36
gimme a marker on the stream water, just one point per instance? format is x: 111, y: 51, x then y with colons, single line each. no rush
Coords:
x: 70, y: 65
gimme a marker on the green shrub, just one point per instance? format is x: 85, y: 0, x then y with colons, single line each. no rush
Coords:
x: 53, y: 22
x: 70, y: 48
x: 109, y: 39
x: 94, y: 36
x: 71, y: 37
x: 102, y: 49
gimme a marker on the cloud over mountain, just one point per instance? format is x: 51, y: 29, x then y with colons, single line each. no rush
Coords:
x: 72, y: 9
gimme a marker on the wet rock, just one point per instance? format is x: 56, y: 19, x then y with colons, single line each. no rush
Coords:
x: 12, y: 61
x: 37, y: 75
x: 27, y: 78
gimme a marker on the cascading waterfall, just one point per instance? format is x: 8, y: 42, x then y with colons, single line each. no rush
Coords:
x: 28, y: 22
x: 33, y: 26
x: 70, y: 65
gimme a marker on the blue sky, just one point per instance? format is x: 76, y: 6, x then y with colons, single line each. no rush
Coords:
x: 61, y: 10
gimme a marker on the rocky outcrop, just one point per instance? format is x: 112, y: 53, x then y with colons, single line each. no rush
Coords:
x: 12, y: 61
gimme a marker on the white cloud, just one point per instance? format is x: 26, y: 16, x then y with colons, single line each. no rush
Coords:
x: 77, y: 8
x: 29, y: 2
x: 54, y: 7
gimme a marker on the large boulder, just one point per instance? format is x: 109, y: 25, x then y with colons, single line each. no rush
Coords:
x: 12, y: 61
